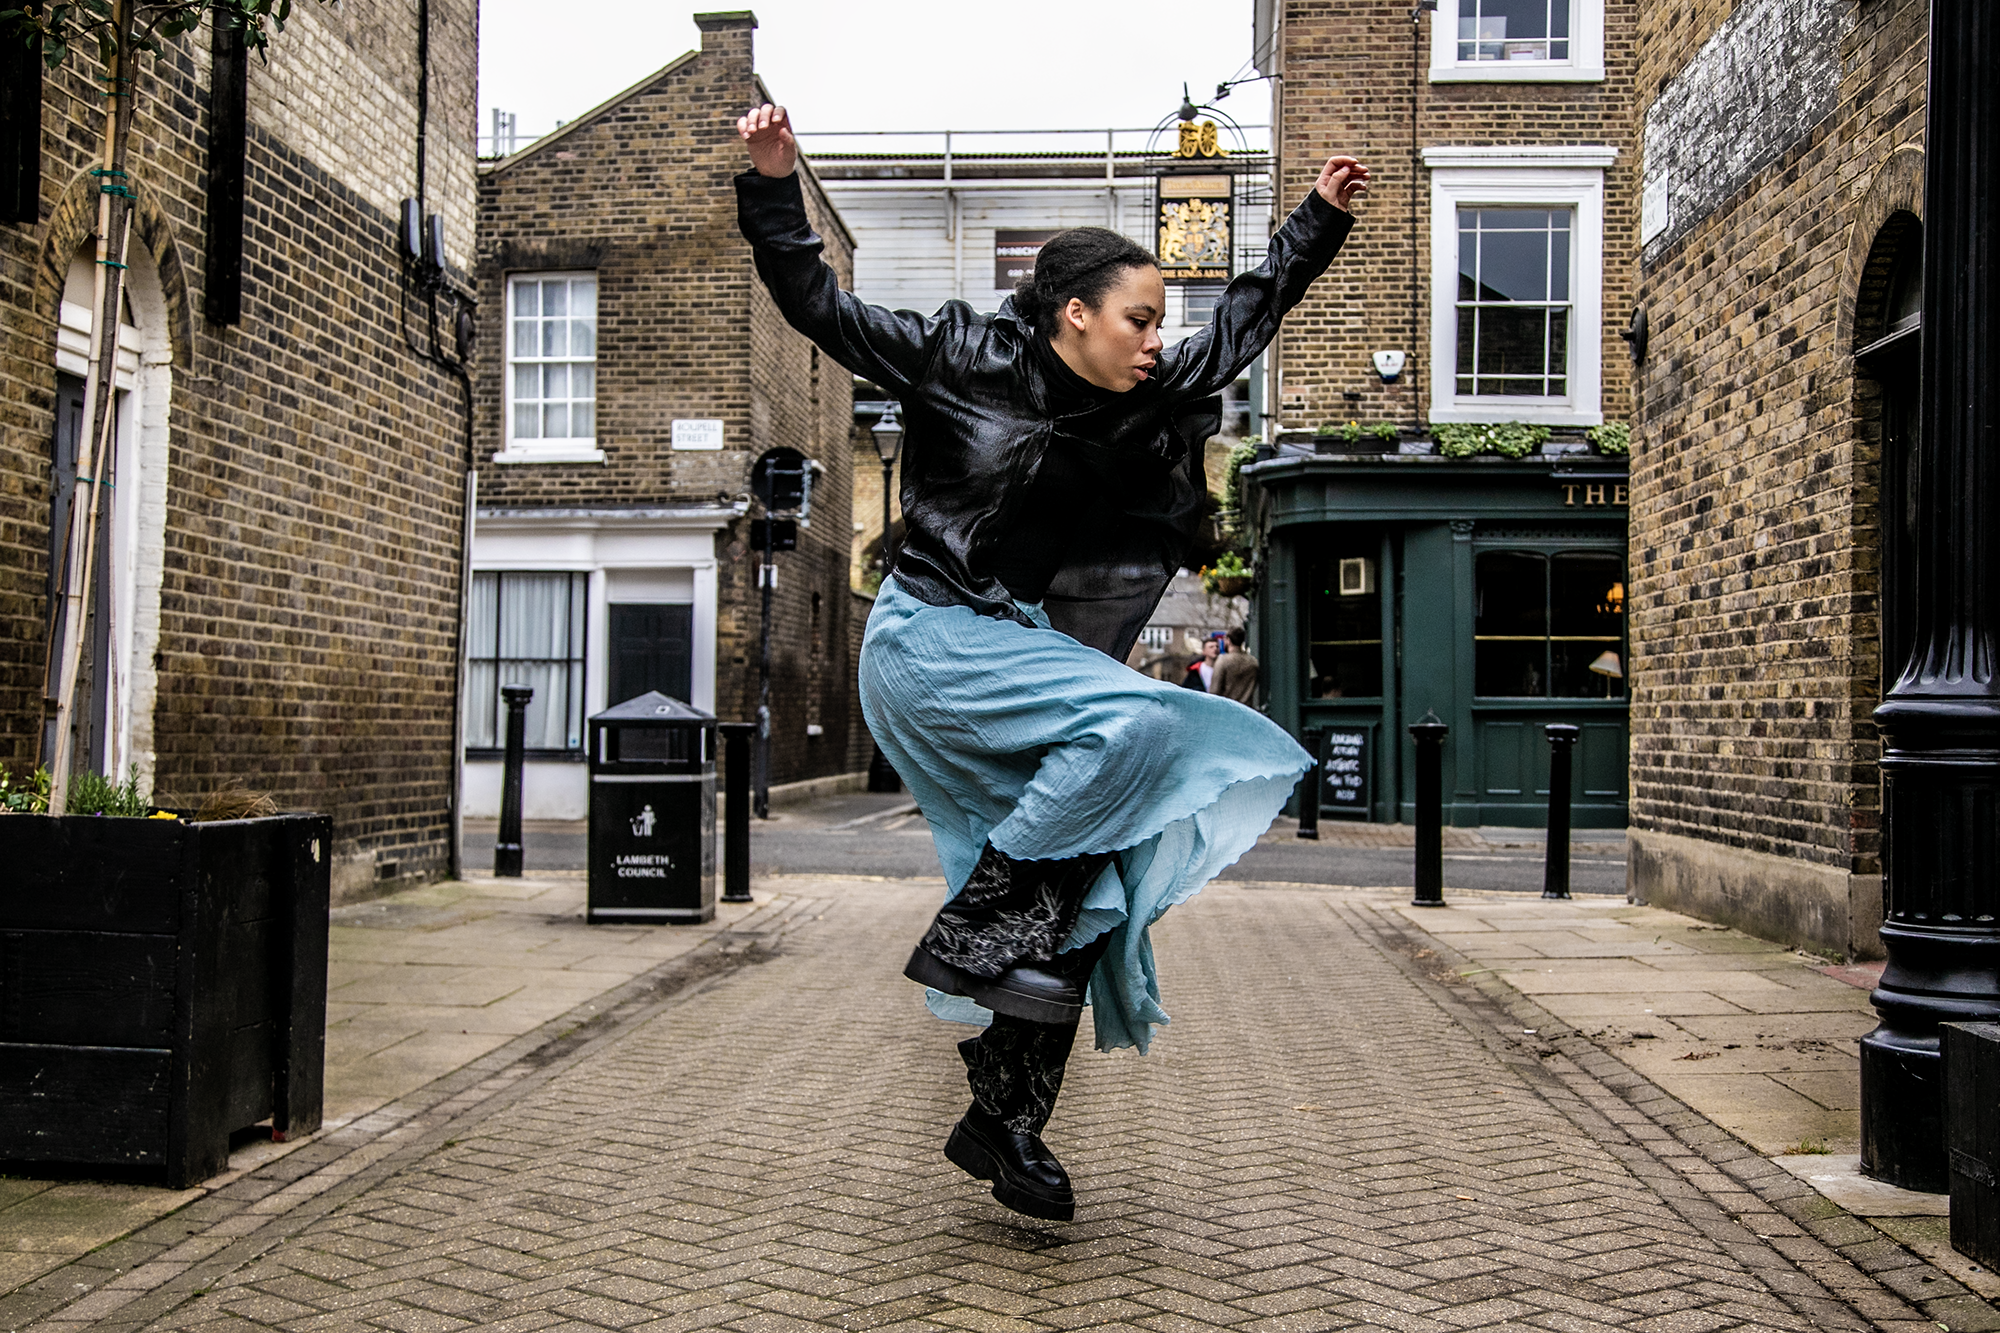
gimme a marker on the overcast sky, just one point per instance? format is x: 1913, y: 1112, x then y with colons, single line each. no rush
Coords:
x: 887, y: 64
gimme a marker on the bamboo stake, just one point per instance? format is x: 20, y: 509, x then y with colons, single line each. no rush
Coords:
x: 114, y: 214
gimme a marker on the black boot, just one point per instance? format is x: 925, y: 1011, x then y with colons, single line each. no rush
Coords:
x: 1026, y: 1176
x: 1015, y: 1069
x: 994, y: 941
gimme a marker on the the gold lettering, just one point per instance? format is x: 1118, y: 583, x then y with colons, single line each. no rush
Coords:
x: 1593, y: 495
x: 1569, y: 495
x: 1619, y: 494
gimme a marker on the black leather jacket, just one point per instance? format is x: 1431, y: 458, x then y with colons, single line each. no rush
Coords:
x: 982, y: 407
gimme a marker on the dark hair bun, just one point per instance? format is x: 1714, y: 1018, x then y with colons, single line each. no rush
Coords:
x: 1081, y: 264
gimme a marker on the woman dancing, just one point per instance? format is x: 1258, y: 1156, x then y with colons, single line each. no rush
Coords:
x: 1052, y: 480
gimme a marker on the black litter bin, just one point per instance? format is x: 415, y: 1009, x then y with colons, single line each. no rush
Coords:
x: 652, y: 812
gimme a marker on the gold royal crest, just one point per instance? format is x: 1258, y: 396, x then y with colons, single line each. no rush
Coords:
x: 1194, y: 232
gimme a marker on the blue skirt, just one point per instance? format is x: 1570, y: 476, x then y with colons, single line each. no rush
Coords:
x: 1049, y: 749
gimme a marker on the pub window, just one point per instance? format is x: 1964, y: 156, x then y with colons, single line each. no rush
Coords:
x: 1344, y: 622
x: 1514, y: 302
x: 552, y: 362
x: 1549, y: 626
x: 526, y: 629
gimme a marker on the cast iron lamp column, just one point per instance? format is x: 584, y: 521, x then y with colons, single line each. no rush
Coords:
x: 888, y: 433
x: 1940, y: 722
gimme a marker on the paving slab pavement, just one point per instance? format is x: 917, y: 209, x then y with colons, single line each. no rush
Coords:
x: 1759, y: 1040
x: 1349, y: 1125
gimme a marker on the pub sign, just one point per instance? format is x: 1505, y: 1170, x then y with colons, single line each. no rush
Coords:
x: 1196, y: 227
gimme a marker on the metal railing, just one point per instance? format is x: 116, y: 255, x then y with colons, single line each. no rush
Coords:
x: 505, y: 139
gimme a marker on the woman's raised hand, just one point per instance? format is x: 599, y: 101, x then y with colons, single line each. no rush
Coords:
x: 767, y: 133
x: 1340, y: 180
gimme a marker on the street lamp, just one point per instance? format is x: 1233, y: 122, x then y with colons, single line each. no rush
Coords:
x: 888, y: 433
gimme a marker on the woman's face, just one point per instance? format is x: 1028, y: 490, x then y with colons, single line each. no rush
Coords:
x: 1116, y: 345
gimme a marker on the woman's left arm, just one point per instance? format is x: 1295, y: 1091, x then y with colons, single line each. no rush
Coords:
x: 1247, y: 316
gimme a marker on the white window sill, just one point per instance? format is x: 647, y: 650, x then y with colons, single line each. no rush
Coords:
x: 1516, y: 71
x: 1544, y: 413
x: 518, y: 454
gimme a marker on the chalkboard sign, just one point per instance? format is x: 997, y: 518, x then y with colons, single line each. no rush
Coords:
x: 1343, y: 770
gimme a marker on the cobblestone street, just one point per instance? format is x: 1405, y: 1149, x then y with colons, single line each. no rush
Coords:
x: 1338, y: 1131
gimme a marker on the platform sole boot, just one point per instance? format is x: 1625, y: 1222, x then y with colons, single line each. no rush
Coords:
x: 994, y: 941
x: 1026, y: 1176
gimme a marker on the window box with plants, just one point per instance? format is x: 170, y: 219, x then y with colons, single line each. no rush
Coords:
x: 162, y: 976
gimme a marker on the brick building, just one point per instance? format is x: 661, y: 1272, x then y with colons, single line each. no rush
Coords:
x: 285, y: 528
x: 1487, y: 282
x: 632, y: 372
x: 1508, y: 103
x: 1784, y: 173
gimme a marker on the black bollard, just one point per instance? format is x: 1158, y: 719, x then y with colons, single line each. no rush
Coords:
x: 507, y: 850
x: 736, y: 811
x: 1429, y: 735
x: 1309, y: 785
x: 1555, y: 865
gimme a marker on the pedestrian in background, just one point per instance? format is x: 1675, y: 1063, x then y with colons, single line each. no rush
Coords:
x: 1235, y: 676
x: 1052, y: 484
x: 1202, y: 670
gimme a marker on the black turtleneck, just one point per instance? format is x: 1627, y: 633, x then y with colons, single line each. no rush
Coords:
x: 1027, y: 557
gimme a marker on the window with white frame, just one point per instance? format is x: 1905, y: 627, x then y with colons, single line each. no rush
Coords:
x: 1517, y: 40
x: 1159, y: 638
x: 1513, y: 302
x: 552, y: 366
x: 1517, y: 259
x: 527, y: 628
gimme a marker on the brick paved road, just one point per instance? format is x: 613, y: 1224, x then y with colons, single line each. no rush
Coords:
x: 1334, y: 1134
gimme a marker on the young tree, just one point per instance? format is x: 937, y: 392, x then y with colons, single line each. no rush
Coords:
x: 122, y: 30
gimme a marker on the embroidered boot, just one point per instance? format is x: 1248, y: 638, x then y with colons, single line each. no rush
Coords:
x: 995, y: 942
x: 1015, y: 1069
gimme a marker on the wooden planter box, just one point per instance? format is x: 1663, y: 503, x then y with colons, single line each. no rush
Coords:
x: 162, y: 985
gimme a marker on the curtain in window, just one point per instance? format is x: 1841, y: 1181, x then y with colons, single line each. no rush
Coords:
x: 482, y: 678
x: 527, y: 629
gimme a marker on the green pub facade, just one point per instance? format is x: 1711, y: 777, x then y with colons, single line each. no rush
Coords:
x: 1488, y: 591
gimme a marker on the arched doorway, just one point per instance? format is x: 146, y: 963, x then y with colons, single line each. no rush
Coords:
x: 117, y: 681
x: 1888, y: 330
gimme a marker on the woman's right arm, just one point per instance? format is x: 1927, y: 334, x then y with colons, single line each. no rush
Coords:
x: 891, y: 348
